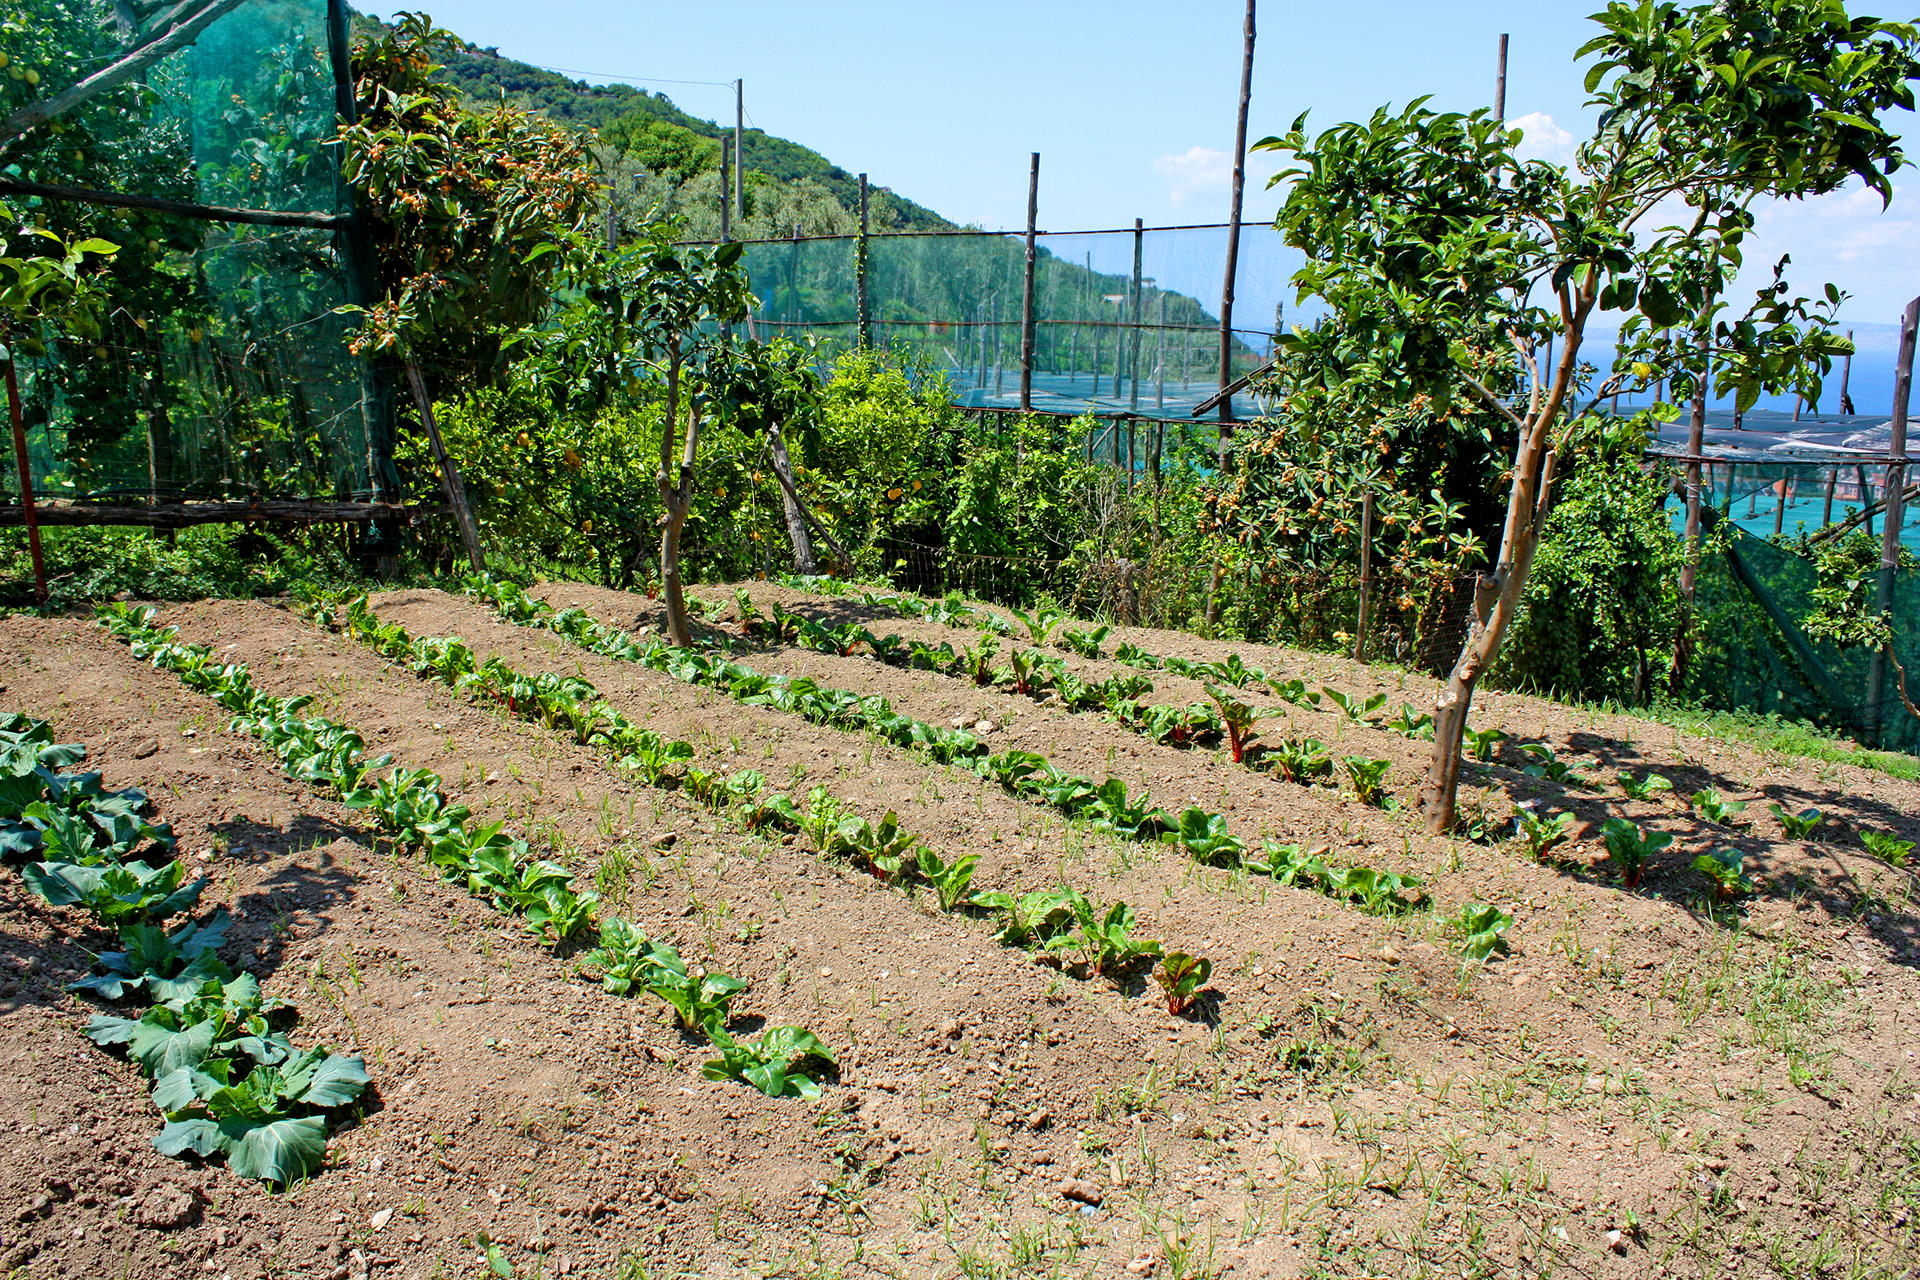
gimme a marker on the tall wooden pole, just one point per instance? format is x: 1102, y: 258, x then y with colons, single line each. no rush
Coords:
x: 1846, y: 372
x: 1690, y: 567
x: 27, y: 513
x: 1026, y: 298
x: 1233, y: 232
x: 1500, y: 83
x: 726, y: 202
x: 1896, y: 483
x: 1133, y: 360
x: 1366, y: 575
x: 739, y: 154
x: 450, y: 480
x: 862, y: 318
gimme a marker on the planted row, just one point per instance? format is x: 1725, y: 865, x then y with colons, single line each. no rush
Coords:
x: 409, y: 805
x: 1069, y: 924
x: 224, y: 1073
x: 1106, y: 805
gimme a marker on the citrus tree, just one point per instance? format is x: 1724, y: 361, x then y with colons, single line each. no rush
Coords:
x: 1423, y: 229
x: 471, y: 212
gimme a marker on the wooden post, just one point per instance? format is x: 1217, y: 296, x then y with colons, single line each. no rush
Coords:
x: 1133, y: 362
x: 999, y: 369
x: 863, y: 317
x: 726, y: 204
x: 27, y: 513
x: 1690, y: 567
x: 1366, y: 574
x: 1846, y: 372
x: 1833, y: 479
x: 1160, y: 359
x: 1866, y: 492
x: 1026, y: 299
x: 1233, y: 233
x: 1500, y: 83
x: 1895, y: 487
x: 449, y: 474
x: 739, y: 151
x: 1780, y: 512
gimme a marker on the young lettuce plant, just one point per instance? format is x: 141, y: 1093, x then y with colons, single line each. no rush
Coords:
x: 1633, y: 847
x: 1181, y: 978
x: 1206, y: 839
x: 1412, y: 723
x: 1479, y: 928
x: 779, y: 1063
x: 1548, y: 765
x: 1888, y: 848
x: 1296, y: 692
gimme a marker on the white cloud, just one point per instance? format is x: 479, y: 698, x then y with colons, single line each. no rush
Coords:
x: 1544, y: 139
x: 1198, y: 171
x: 1847, y: 238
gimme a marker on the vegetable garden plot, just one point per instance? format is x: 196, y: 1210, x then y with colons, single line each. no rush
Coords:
x: 1327, y: 1028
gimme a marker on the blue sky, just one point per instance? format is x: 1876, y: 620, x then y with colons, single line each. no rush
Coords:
x: 1130, y: 104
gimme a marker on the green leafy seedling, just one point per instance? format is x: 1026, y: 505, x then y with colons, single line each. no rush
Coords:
x: 1723, y: 866
x: 949, y: 879
x: 777, y: 1063
x: 1642, y: 788
x: 1798, y: 826
x: 1542, y: 831
x: 1181, y: 978
x: 1480, y: 927
x: 1483, y: 741
x: 1716, y: 808
x: 1412, y: 723
x: 1889, y: 849
x: 1632, y: 848
x: 1367, y: 777
x: 1301, y: 759
x: 1085, y: 643
x: 1356, y: 709
x: 1237, y: 716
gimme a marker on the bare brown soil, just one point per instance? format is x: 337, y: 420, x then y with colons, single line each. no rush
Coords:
x: 1729, y: 1089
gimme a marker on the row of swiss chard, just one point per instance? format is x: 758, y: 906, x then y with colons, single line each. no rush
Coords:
x: 224, y: 1072
x: 1060, y: 924
x: 493, y: 864
x: 1105, y: 805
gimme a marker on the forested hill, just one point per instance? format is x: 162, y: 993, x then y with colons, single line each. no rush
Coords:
x: 672, y: 158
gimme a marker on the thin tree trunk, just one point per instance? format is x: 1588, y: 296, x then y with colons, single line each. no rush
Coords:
x: 1496, y: 596
x: 803, y: 561
x: 677, y: 498
x: 449, y: 474
x: 26, y: 480
x: 791, y: 496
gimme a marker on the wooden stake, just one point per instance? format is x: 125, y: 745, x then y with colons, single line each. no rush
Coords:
x: 1026, y: 299
x: 1846, y: 372
x: 1133, y: 363
x: 1690, y: 567
x: 27, y: 512
x: 1233, y: 232
x: 1366, y: 573
x: 863, y: 318
x: 739, y: 151
x: 1895, y: 492
x: 1500, y: 83
x: 449, y: 474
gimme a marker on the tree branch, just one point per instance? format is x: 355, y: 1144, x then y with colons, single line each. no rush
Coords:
x: 181, y: 32
x: 1495, y: 402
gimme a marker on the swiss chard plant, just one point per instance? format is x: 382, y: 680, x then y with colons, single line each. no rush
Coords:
x: 1369, y: 780
x: 950, y: 880
x: 1039, y: 624
x: 1481, y: 742
x: 1301, y: 759
x: 1237, y: 716
x: 1716, y: 808
x: 1633, y: 848
x: 165, y: 965
x: 1548, y: 765
x: 1355, y: 709
x: 1206, y: 839
x: 1182, y: 977
x: 1411, y: 723
x: 1644, y: 788
x: 1722, y: 866
x: 1085, y: 643
x: 1540, y: 832
x: 1797, y: 826
x: 1296, y: 692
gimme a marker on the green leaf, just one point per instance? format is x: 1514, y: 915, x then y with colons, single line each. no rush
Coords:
x: 276, y: 1151
x: 202, y: 1137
